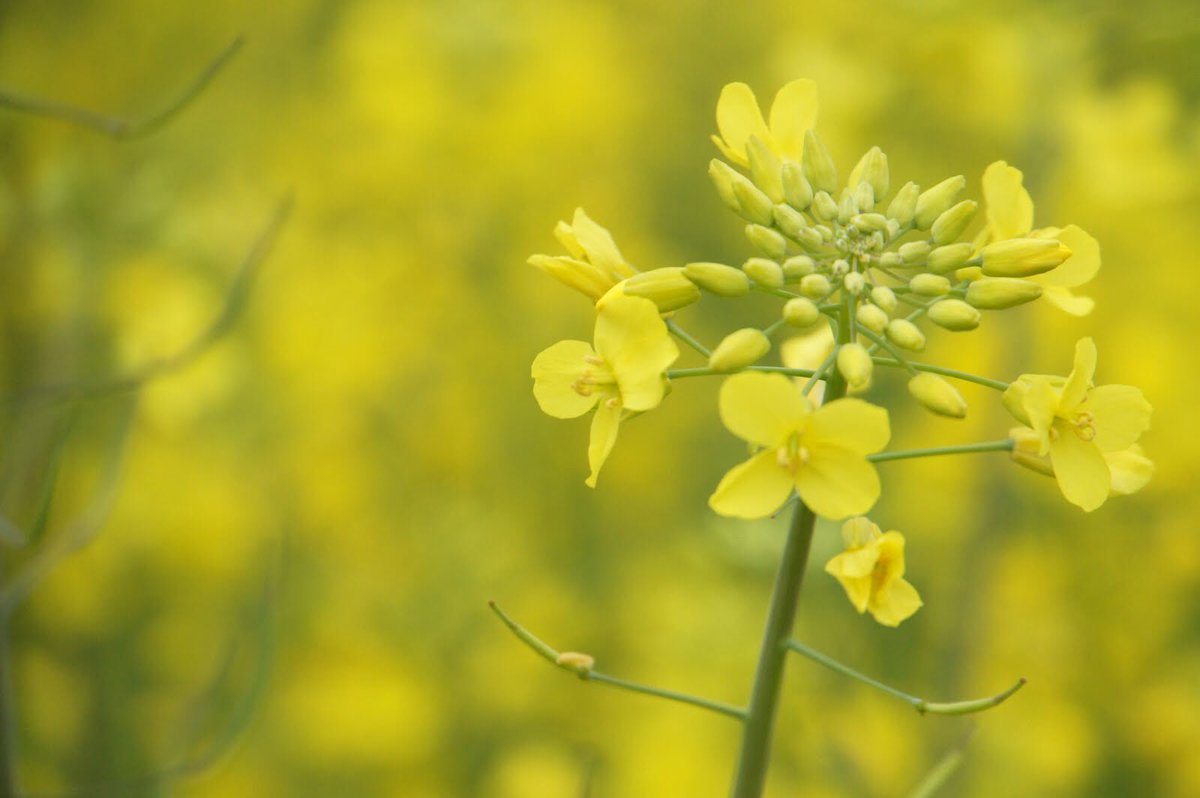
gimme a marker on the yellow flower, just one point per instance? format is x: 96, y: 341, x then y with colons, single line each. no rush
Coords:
x: 871, y: 570
x: 820, y: 453
x: 1088, y: 432
x: 623, y: 374
x: 594, y: 265
x: 1010, y: 215
x: 738, y: 118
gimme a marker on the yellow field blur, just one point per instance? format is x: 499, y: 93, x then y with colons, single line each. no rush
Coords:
x: 289, y: 593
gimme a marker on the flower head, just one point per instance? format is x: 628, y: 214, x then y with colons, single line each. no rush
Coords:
x: 594, y: 264
x: 819, y: 453
x: 871, y: 570
x: 1087, y: 431
x: 622, y: 373
x: 793, y: 112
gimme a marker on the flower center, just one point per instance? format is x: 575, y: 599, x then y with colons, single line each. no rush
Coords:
x: 596, y: 375
x: 792, y: 456
x: 1083, y: 423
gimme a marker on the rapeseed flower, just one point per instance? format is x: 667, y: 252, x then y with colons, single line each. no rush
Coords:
x: 792, y: 114
x: 871, y: 570
x: 594, y: 264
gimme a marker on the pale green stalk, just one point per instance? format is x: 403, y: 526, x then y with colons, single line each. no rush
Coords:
x: 1005, y: 445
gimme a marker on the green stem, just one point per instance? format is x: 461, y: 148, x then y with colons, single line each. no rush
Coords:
x: 943, y: 770
x: 705, y: 371
x: 587, y: 673
x: 1005, y: 445
x: 919, y: 704
x: 886, y: 344
x: 8, y: 718
x: 945, y: 372
x: 682, y: 335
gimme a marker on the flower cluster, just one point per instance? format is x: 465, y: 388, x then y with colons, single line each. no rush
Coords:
x: 858, y: 268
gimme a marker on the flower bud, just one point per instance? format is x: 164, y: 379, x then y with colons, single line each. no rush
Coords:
x: 739, y: 349
x: 790, y: 221
x: 668, y: 288
x: 950, y: 224
x: 770, y: 242
x: 937, y: 395
x: 722, y: 176
x: 904, y: 333
x: 872, y: 169
x: 929, y: 285
x: 765, y: 168
x: 885, y: 298
x: 864, y: 197
x: 797, y: 191
x: 933, y: 202
x: 818, y: 166
x: 823, y: 206
x: 854, y: 364
x: 815, y: 286
x: 847, y: 207
x: 1023, y: 257
x: 853, y: 283
x: 581, y: 663
x: 797, y: 267
x: 871, y: 317
x: 840, y: 267
x: 717, y: 278
x: 997, y: 293
x: 801, y: 312
x: 890, y: 260
x: 870, y: 222
x: 948, y: 258
x: 754, y: 205
x: 954, y: 314
x: 764, y: 272
x: 914, y: 252
x: 577, y: 274
x: 903, y: 207
x: 810, y: 238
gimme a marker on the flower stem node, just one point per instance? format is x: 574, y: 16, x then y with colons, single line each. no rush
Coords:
x: 769, y: 242
x: 801, y: 312
x: 903, y: 207
x: 999, y: 293
x: 797, y: 267
x: 797, y: 191
x: 950, y: 224
x: 1023, y: 257
x: 765, y: 272
x: 947, y: 258
x: 719, y: 279
x: 885, y: 298
x: 933, y: 202
x: 954, y: 315
x: 871, y: 571
x: 871, y: 317
x: 929, y: 285
x: 668, y: 288
x: 914, y: 253
x: 790, y: 221
x: 937, y: 395
x: 904, y: 333
x: 819, y: 167
x: 815, y: 286
x: 855, y: 365
x: 581, y: 663
x: 739, y: 349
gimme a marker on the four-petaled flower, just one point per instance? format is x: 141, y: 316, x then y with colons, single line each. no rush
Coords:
x: 820, y: 453
x: 594, y: 265
x: 871, y: 570
x: 624, y: 373
x: 792, y: 114
x: 1089, y: 432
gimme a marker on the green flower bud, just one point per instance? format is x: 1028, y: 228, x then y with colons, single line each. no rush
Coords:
x: 801, y: 312
x: 890, y: 260
x: 950, y: 224
x: 739, y: 349
x: 770, y: 242
x: 669, y: 288
x: 937, y: 395
x: 790, y: 221
x: 764, y: 272
x: 722, y: 175
x: 864, y: 197
x: 823, y: 207
x: 893, y: 229
x: 933, y: 202
x: 825, y: 231
x: 797, y: 191
x: 870, y: 222
x: 754, y: 205
x: 871, y: 317
x: 904, y: 333
x: 954, y: 314
x: 796, y: 267
x: 872, y: 168
x: 847, y: 207
x: 765, y: 168
x: 815, y: 286
x: 914, y: 252
x: 948, y: 258
x: 854, y: 364
x: 818, y: 166
x: 1023, y: 257
x: 853, y: 283
x: 717, y: 278
x: 997, y: 293
x: 810, y: 239
x: 903, y: 207
x: 885, y: 298
x: 929, y: 285
x: 840, y: 266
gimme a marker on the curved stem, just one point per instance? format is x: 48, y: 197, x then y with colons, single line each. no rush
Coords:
x: 679, y: 333
x: 895, y: 353
x: 945, y: 372
x: 1005, y: 445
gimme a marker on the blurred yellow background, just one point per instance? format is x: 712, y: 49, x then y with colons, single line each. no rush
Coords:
x: 290, y: 594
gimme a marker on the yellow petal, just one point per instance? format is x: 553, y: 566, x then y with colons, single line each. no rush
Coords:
x: 1065, y: 300
x: 753, y: 489
x: 1041, y: 403
x: 555, y: 371
x: 852, y: 424
x: 1121, y: 414
x: 762, y: 408
x: 605, y: 424
x: 853, y: 569
x: 1081, y: 375
x: 897, y: 603
x: 1080, y: 469
x: 891, y: 555
x: 739, y: 118
x: 598, y: 243
x: 632, y: 339
x: 793, y: 112
x: 837, y: 483
x: 1130, y: 470
x: 1083, y: 263
x: 1009, y: 207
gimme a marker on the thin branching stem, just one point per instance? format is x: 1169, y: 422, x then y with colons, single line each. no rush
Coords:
x: 1005, y: 445
x: 945, y: 372
x: 684, y: 336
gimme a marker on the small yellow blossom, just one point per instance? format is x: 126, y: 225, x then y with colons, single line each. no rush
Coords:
x: 871, y: 570
x: 1010, y: 215
x: 792, y: 114
x: 624, y: 373
x: 1088, y: 432
x: 819, y: 453
x: 594, y: 265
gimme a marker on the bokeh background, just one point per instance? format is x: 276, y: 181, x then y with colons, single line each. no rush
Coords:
x: 302, y: 526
